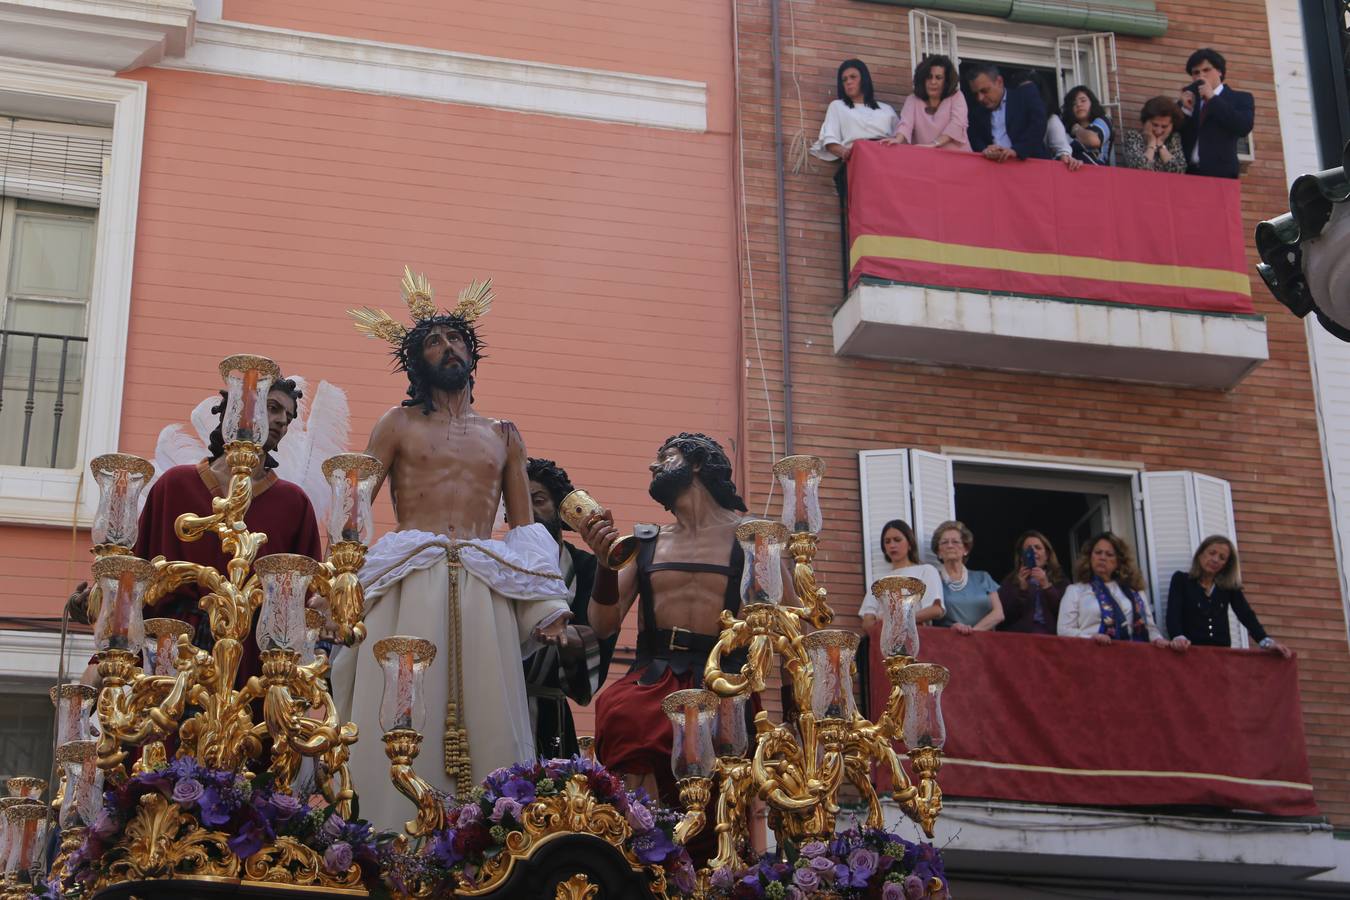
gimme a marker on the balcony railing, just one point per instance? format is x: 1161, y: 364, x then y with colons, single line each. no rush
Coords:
x: 41, y: 376
x: 1026, y: 266
x: 1062, y: 721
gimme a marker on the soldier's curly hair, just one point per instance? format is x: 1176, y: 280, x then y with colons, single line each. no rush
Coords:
x: 714, y: 466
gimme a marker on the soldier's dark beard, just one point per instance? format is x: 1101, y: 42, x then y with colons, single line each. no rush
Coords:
x: 668, y: 484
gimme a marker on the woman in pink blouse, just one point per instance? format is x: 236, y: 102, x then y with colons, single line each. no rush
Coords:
x: 935, y: 114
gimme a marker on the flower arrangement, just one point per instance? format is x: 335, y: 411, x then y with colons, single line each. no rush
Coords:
x: 252, y: 811
x: 476, y: 830
x: 859, y: 863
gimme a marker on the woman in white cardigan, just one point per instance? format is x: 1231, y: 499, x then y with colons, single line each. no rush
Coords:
x: 1107, y: 601
x: 855, y: 115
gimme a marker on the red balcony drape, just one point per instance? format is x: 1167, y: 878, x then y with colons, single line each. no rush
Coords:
x: 956, y: 220
x: 1053, y: 720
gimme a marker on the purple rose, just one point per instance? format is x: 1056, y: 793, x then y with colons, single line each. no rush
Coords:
x: 823, y: 866
x: 806, y: 879
x: 338, y: 857
x: 892, y: 890
x: 813, y: 849
x: 684, y: 878
x: 914, y: 888
x: 504, y: 807
x: 332, y: 827
x: 468, y: 814
x: 187, y: 792
x: 723, y: 879
x: 286, y: 806
x: 640, y: 818
x: 864, y: 861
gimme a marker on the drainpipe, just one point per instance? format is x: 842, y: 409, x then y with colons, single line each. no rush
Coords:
x: 782, y: 227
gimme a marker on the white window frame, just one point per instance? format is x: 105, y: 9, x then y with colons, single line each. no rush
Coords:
x: 39, y: 496
x: 35, y: 656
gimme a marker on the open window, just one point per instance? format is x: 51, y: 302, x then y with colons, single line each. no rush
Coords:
x: 1163, y: 516
x: 931, y: 36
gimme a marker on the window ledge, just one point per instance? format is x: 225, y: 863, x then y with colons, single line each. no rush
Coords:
x: 113, y: 35
x: 915, y: 323
x: 37, y: 654
x: 33, y: 496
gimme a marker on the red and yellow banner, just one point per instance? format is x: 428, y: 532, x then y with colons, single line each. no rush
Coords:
x: 956, y: 220
x: 1059, y: 720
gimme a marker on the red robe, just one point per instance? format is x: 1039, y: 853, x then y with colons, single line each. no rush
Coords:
x: 280, y: 509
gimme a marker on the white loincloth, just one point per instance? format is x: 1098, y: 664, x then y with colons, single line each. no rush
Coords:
x: 502, y: 600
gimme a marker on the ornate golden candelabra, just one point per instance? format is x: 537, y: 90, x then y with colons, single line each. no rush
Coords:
x: 799, y: 766
x: 190, y: 700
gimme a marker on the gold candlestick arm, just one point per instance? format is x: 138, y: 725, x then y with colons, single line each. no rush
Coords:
x: 402, y: 745
x: 695, y: 794
x: 339, y: 584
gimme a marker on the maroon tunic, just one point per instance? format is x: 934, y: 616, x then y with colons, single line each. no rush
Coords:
x: 280, y: 509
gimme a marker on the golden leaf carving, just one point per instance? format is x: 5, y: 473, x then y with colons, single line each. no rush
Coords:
x: 578, y: 887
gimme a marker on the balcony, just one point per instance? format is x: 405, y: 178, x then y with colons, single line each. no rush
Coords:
x: 1128, y: 763
x: 1024, y: 266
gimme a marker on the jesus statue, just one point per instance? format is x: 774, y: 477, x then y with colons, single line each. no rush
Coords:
x: 486, y: 604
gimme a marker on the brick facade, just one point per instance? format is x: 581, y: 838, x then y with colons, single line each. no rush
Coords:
x: 1262, y: 436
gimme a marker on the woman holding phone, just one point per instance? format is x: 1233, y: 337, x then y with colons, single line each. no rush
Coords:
x: 1031, y: 594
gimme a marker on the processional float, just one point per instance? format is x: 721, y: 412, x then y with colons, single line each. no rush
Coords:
x: 177, y: 773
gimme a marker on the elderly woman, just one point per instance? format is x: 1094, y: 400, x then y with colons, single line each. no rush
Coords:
x: 935, y: 114
x: 900, y: 549
x: 1032, y: 591
x: 1088, y: 127
x: 855, y: 115
x: 1198, y: 601
x: 1157, y: 146
x: 969, y: 598
x: 1107, y: 602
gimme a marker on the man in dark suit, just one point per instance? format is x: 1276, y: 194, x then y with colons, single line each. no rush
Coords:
x: 1216, y: 117
x: 1006, y: 122
x: 576, y: 667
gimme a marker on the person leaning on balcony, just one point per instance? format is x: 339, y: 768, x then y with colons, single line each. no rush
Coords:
x: 1088, y: 126
x: 1157, y: 146
x: 935, y: 114
x: 1032, y: 592
x: 969, y: 598
x: 1107, y: 602
x: 902, y: 551
x: 1216, y: 116
x: 1007, y: 122
x: 1056, y: 136
x: 856, y: 115
x: 1198, y: 601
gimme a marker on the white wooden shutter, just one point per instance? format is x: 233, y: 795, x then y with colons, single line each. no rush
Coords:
x: 883, y: 481
x: 934, y: 494
x: 53, y: 161
x: 1180, y: 510
x: 1214, y: 515
x: 930, y: 36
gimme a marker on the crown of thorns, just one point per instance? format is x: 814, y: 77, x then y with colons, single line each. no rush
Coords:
x: 473, y: 303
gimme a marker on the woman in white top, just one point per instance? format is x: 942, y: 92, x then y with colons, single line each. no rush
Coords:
x: 900, y: 548
x: 1107, y: 602
x: 856, y: 115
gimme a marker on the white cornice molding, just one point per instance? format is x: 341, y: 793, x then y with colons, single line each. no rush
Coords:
x: 37, y: 654
x: 108, y: 35
x: 373, y: 67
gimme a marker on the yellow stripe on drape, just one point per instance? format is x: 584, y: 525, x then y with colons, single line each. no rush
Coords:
x: 1126, y: 773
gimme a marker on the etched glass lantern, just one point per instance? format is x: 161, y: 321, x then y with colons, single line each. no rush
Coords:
x: 731, y: 736
x: 248, y: 379
x: 83, y: 797
x: 921, y: 685
x: 691, y: 714
x: 26, y: 787
x: 27, y: 823
x: 799, y: 478
x: 762, y: 542
x: 285, y: 582
x: 74, y: 711
x: 122, y: 583
x: 831, y: 652
x: 120, y: 478
x: 899, y: 598
x: 404, y: 661
x: 160, y: 653
x: 352, y: 478
x: 6, y: 830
